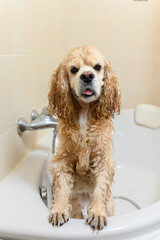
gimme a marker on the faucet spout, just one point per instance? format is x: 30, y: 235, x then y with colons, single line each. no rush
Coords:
x: 38, y: 121
x: 41, y: 122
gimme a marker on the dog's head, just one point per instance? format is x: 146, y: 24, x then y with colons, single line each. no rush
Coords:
x: 84, y: 76
x: 85, y: 70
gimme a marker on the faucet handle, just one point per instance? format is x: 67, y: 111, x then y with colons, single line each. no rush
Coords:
x: 34, y: 115
x: 22, y: 125
x: 45, y: 111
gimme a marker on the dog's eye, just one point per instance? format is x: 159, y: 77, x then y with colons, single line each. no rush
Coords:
x: 74, y: 70
x: 97, y: 67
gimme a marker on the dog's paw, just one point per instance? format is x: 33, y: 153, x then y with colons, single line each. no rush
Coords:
x: 96, y: 222
x: 58, y: 219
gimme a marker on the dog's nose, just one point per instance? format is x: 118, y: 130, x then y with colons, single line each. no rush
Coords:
x: 87, y: 76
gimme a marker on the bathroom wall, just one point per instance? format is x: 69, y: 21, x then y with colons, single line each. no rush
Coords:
x: 33, y: 39
x: 128, y: 33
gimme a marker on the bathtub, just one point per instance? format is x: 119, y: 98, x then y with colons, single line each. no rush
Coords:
x: 136, y: 191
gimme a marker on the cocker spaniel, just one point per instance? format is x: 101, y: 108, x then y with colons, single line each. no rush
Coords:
x: 84, y: 94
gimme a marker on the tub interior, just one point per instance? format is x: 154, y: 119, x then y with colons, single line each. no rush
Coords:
x: 136, y: 152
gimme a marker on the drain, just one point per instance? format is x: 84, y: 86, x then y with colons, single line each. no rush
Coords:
x: 128, y: 200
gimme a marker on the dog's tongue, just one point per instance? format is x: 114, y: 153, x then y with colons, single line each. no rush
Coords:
x: 87, y: 92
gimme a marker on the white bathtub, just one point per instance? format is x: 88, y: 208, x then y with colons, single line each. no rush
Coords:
x: 23, y: 214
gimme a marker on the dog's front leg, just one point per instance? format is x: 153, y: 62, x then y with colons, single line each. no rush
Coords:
x: 60, y: 207
x: 101, y: 200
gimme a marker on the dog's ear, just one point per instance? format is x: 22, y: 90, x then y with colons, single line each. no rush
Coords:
x: 109, y: 101
x: 60, y: 96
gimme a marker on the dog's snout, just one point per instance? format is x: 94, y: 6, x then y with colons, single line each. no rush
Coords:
x: 87, y: 76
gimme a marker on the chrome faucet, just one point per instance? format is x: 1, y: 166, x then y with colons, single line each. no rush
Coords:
x: 38, y: 121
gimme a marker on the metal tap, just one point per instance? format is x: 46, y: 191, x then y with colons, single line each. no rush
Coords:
x: 38, y: 121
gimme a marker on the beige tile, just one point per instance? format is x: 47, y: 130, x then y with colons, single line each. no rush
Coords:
x: 33, y: 73
x: 90, y: 8
x: 132, y: 99
x: 145, y: 97
x: 39, y: 26
x: 6, y: 31
x: 11, y: 150
x: 120, y: 67
x: 142, y: 74
x: 55, y: 30
x: 137, y: 36
x: 139, y: 79
x: 94, y: 31
x: 133, y: 8
x: 62, y: 5
x: 8, y: 92
x: 127, y: 100
x: 49, y: 63
x: 155, y: 98
x: 112, y: 61
x: 28, y: 26
x: 14, y: 147
x: 30, y: 83
x: 118, y: 64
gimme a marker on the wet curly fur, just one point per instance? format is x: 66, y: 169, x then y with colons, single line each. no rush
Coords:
x: 82, y: 165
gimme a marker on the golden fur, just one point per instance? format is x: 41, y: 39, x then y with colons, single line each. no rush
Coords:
x: 82, y: 163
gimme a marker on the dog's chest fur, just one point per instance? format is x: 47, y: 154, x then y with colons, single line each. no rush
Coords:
x: 83, y: 121
x: 85, y: 142
x: 82, y: 156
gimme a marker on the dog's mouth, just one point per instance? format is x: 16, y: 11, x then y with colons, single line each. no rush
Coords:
x: 88, y: 93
